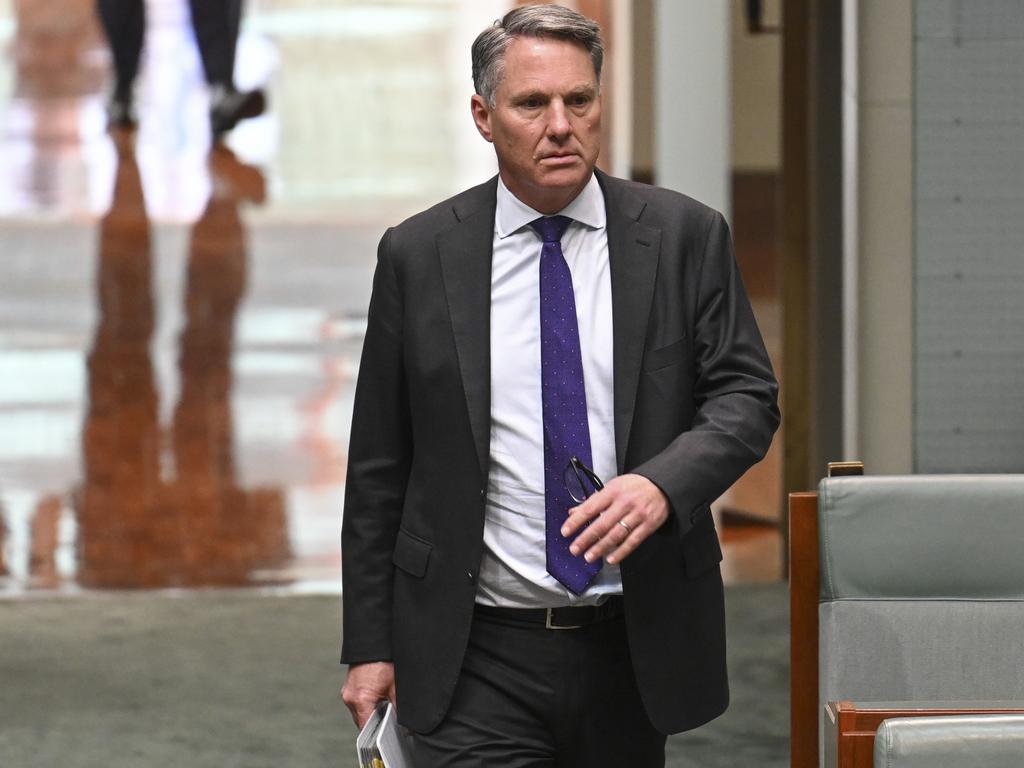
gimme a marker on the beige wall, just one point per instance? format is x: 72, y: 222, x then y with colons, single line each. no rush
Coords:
x: 643, y: 88
x: 883, y: 232
x: 756, y: 92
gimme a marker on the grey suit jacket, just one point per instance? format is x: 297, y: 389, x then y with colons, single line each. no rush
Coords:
x: 695, y: 405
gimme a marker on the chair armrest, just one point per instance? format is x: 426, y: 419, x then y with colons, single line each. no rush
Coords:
x: 850, y: 726
x: 994, y: 741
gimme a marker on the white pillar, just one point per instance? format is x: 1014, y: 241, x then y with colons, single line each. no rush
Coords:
x: 693, y: 115
x: 884, y: 236
x: 622, y: 76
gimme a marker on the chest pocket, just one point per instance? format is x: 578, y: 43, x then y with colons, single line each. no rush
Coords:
x: 663, y: 357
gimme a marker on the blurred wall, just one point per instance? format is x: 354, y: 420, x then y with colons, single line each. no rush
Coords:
x: 692, y: 111
x: 880, y: 215
x: 756, y: 91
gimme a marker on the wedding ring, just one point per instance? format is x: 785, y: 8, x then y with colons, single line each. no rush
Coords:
x: 628, y: 529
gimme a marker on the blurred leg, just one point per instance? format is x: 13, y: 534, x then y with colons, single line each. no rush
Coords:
x: 124, y: 22
x: 216, y: 23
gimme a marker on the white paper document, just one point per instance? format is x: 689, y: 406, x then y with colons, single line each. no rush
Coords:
x: 382, y: 743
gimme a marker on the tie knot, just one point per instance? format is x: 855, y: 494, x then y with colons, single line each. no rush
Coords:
x: 551, y: 228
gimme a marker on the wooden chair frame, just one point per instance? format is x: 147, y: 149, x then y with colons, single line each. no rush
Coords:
x: 803, y: 622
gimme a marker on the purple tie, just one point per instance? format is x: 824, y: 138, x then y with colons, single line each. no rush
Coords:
x: 564, y: 399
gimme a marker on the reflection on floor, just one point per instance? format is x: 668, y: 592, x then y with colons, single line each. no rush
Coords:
x: 181, y: 325
x: 139, y: 526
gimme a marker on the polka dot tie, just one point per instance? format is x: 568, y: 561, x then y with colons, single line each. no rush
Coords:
x: 564, y: 402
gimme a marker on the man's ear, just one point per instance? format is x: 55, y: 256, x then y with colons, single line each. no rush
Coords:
x: 481, y: 116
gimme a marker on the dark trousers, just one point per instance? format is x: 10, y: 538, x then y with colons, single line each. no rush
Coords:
x: 215, y: 23
x: 529, y: 697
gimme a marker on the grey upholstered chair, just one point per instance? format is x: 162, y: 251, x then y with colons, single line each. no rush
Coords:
x: 956, y: 741
x: 922, y: 589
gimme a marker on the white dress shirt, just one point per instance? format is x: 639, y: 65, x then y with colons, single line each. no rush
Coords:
x: 513, y: 572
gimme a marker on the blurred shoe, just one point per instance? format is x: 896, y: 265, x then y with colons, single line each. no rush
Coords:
x: 121, y: 109
x: 229, y: 106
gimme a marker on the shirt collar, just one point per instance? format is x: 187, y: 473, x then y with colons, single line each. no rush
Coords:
x: 512, y: 214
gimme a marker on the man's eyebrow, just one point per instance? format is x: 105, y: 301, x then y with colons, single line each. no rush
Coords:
x: 529, y: 95
x: 578, y: 90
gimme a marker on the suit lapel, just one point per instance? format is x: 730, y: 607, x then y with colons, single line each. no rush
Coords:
x: 465, y: 252
x: 633, y: 250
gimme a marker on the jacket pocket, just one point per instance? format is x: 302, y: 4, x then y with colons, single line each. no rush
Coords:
x: 701, y: 550
x: 663, y: 357
x: 411, y: 553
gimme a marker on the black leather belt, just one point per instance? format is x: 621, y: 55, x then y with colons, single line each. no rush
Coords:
x: 569, y: 617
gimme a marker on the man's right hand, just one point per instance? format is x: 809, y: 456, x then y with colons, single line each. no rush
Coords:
x: 365, y: 686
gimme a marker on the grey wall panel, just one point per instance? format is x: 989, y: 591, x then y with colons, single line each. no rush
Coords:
x: 976, y: 315
x: 969, y: 236
x: 973, y: 160
x: 935, y: 19
x: 958, y: 238
x: 985, y: 450
x: 968, y: 19
x: 966, y: 81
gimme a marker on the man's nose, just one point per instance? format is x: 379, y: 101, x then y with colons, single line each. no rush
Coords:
x: 559, y: 126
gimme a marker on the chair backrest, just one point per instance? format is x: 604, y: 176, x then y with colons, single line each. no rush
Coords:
x: 957, y: 741
x: 921, y: 588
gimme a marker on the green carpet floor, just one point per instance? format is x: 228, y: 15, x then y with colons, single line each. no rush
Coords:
x: 237, y: 679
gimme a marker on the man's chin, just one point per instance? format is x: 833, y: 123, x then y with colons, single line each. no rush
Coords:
x: 548, y: 192
x: 565, y: 179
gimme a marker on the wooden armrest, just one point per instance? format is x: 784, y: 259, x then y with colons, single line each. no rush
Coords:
x: 850, y: 726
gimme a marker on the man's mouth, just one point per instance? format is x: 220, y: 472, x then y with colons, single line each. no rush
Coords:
x: 559, y: 158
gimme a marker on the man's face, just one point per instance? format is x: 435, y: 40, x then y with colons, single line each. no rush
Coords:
x: 546, y: 121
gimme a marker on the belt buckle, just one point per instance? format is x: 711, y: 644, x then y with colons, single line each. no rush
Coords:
x: 549, y: 625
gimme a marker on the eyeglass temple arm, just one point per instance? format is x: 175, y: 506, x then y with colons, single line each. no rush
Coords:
x: 578, y: 466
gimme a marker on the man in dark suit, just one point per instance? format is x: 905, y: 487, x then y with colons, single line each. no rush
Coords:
x: 526, y: 338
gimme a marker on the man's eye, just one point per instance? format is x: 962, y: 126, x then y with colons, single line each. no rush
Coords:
x: 531, y: 103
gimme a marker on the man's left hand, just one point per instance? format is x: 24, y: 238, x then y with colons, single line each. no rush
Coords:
x: 628, y: 510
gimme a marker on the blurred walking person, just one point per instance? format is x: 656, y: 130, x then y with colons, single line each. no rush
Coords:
x: 216, y: 24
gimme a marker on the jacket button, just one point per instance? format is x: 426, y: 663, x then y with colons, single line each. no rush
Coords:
x: 483, y: 493
x: 470, y: 577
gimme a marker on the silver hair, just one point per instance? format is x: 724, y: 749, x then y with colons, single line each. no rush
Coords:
x: 551, y: 21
